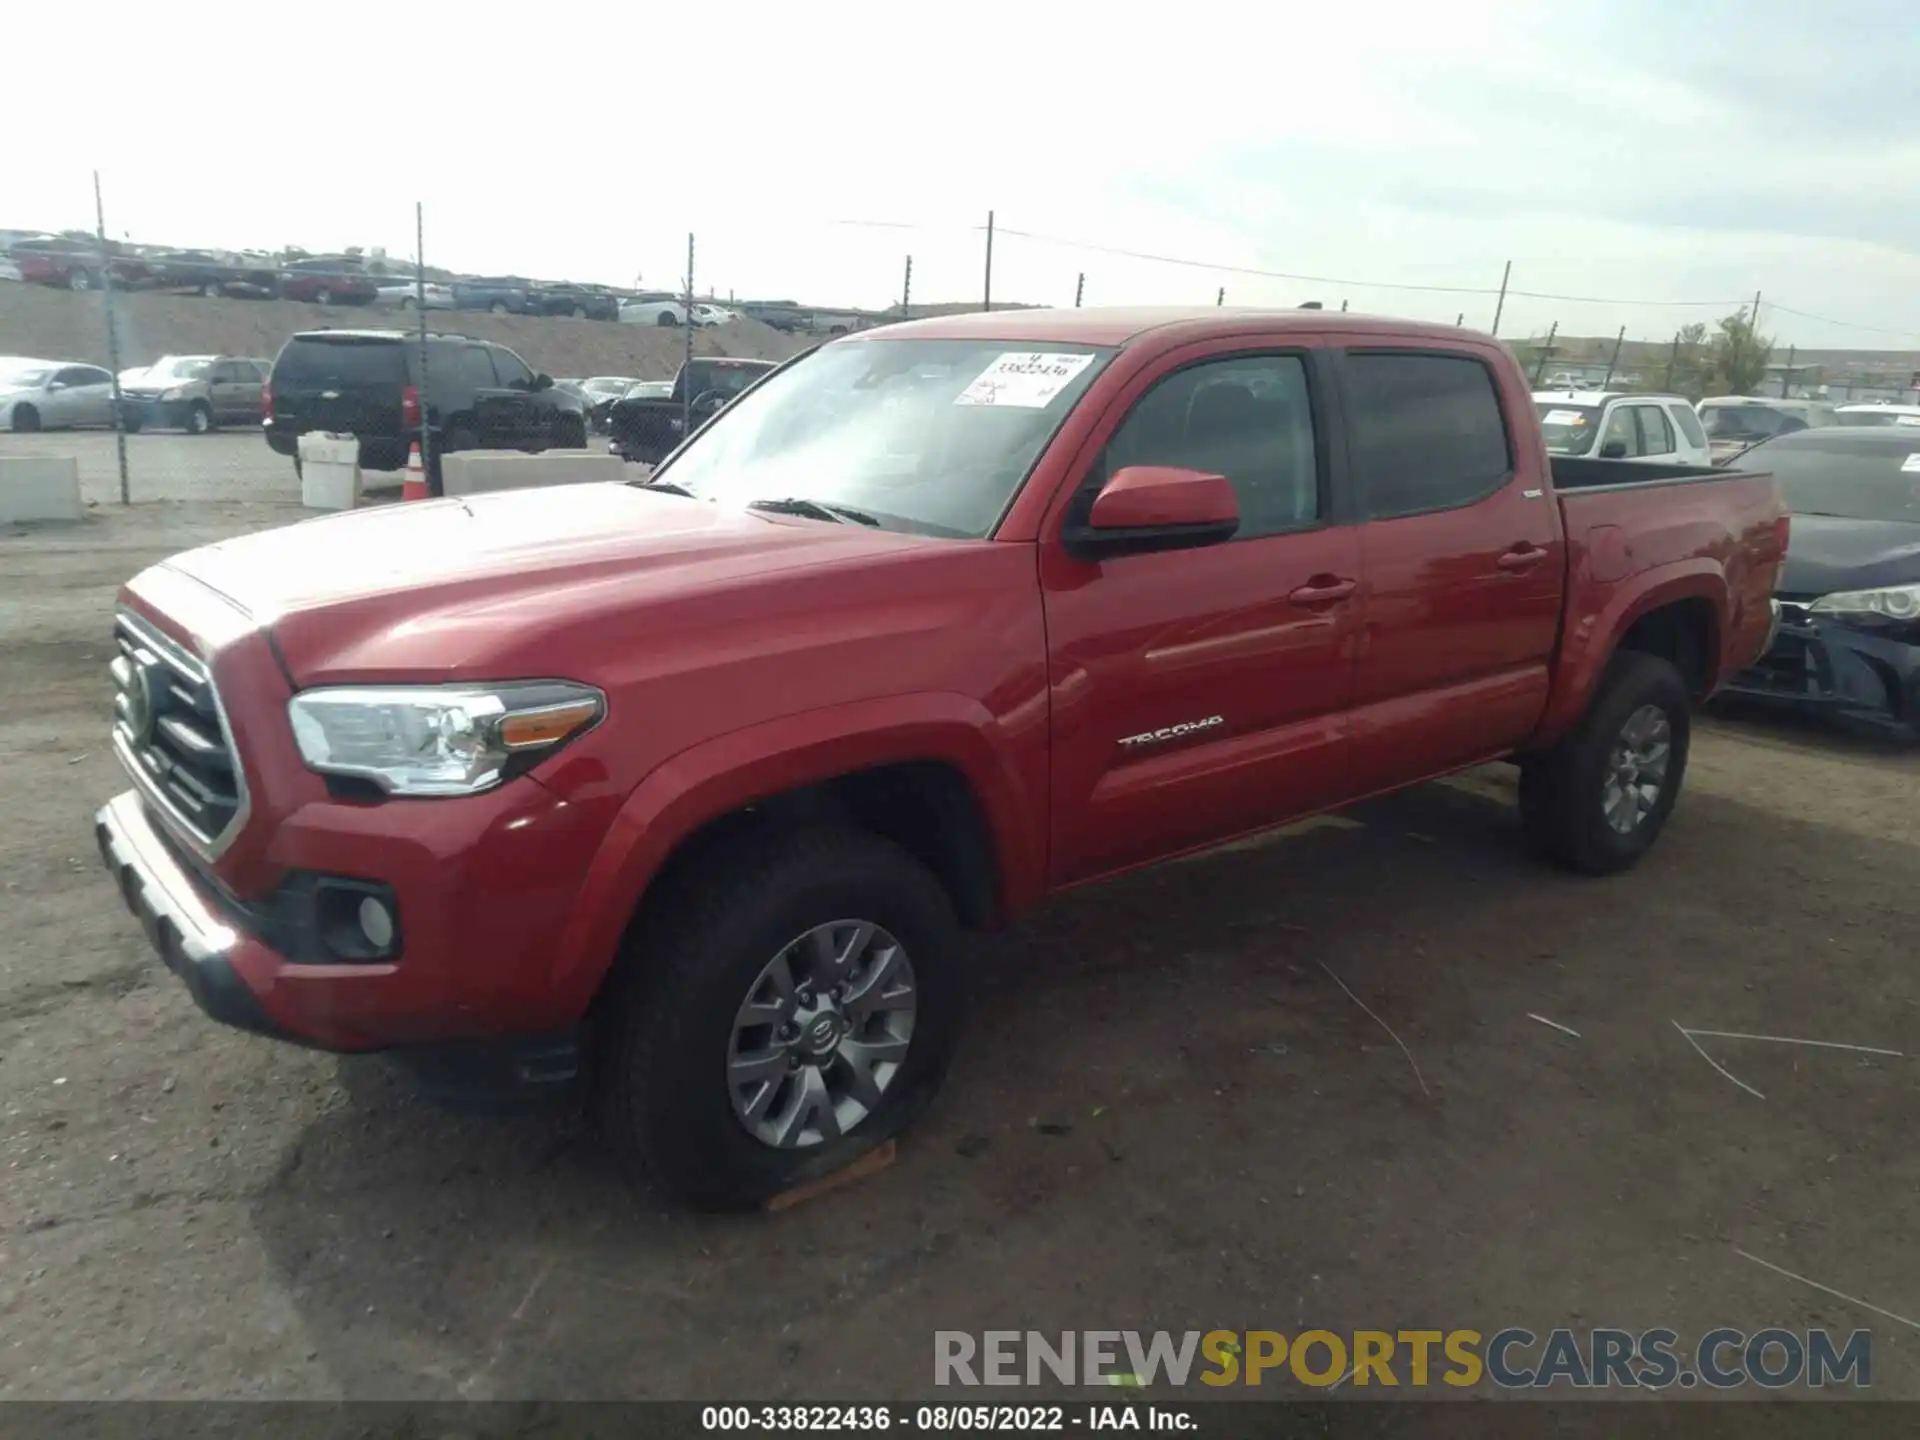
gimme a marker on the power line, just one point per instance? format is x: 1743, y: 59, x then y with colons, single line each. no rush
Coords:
x: 1487, y: 290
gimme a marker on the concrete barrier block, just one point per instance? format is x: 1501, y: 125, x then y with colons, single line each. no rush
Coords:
x: 475, y: 472
x: 40, y: 487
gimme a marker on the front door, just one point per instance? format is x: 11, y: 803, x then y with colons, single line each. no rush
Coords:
x: 1199, y: 694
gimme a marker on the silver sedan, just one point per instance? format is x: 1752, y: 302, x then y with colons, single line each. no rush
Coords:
x: 53, y: 394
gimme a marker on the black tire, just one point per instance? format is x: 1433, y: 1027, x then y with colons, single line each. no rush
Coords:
x: 323, y: 297
x: 406, y: 302
x: 199, y: 419
x: 25, y: 421
x: 80, y: 280
x: 499, y: 307
x: 131, y: 424
x: 579, y: 312
x: 1563, y: 791
x: 667, y: 1017
x: 668, y: 320
x: 210, y: 289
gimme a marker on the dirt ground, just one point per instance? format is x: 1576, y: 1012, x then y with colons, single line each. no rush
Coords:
x: 1168, y: 1114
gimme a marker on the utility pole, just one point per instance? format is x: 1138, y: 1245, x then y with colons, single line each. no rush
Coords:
x: 1618, y: 340
x: 986, y: 301
x: 420, y: 309
x: 1221, y: 298
x: 1079, y: 289
x: 1343, y: 307
x: 686, y: 362
x: 113, y: 337
x: 1459, y: 319
x: 1786, y: 377
x: 1500, y: 305
x: 1673, y: 359
x: 906, y: 292
x: 1546, y: 353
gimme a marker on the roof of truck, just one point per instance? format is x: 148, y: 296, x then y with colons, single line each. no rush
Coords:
x: 1121, y: 325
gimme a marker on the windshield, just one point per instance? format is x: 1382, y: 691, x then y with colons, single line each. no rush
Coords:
x: 649, y: 389
x: 605, y: 384
x: 178, y: 367
x: 931, y: 436
x: 1747, y: 422
x: 1570, y: 428
x: 1843, y: 480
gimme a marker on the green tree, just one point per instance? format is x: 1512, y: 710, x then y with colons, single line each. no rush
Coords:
x: 1740, y: 355
x: 1687, y: 367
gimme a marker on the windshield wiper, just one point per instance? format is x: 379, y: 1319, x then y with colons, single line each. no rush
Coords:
x: 665, y: 486
x: 813, y: 509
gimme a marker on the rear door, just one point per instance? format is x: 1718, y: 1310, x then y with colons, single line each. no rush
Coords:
x: 1657, y: 438
x: 1463, y: 559
x: 510, y: 415
x: 234, y: 391
x: 1198, y: 694
x: 344, y: 383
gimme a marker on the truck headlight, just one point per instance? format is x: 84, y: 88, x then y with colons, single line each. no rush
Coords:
x: 439, y: 740
x: 1895, y: 602
x: 176, y: 393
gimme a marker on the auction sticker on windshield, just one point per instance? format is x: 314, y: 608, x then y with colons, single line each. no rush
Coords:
x: 1027, y: 380
x: 1563, y: 417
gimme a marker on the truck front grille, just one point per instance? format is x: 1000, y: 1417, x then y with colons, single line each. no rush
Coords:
x: 169, y: 731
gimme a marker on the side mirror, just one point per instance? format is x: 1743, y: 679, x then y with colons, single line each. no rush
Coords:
x: 543, y: 381
x: 1614, y: 450
x: 1147, y: 508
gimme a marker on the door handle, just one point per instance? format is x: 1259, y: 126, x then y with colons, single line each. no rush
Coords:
x: 1521, y: 557
x: 1322, y: 590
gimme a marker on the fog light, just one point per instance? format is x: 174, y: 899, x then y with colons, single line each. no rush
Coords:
x: 376, y: 923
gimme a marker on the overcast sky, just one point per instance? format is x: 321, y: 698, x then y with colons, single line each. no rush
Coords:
x: 1628, y: 152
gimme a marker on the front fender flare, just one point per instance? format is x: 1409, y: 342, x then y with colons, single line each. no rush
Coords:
x: 725, y: 773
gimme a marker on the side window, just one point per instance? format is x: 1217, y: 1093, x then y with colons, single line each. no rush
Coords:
x: 83, y: 375
x: 224, y: 372
x: 476, y: 368
x: 1248, y: 419
x: 511, y: 369
x: 1656, y: 435
x: 1426, y: 432
x: 1688, y: 422
x: 1620, y: 431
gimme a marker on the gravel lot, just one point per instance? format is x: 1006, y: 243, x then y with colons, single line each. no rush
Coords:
x: 1228, y: 1139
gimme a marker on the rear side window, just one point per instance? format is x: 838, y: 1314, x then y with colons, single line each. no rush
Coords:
x: 1689, y: 423
x: 340, y: 362
x: 1426, y: 432
x: 1656, y: 434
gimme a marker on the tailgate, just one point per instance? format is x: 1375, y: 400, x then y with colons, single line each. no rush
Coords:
x: 343, y: 384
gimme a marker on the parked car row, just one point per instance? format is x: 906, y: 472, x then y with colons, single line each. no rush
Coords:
x: 194, y: 393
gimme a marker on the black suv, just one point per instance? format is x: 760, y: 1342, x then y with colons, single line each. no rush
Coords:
x: 366, y: 383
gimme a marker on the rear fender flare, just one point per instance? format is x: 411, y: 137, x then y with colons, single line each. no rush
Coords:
x: 724, y: 774
x: 1588, y: 641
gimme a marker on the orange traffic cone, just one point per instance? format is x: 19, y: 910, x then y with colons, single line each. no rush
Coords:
x: 414, y: 487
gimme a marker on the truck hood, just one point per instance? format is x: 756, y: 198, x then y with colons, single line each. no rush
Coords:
x: 1826, y: 553
x: 460, y: 588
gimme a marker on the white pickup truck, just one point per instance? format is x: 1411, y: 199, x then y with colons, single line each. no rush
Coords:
x: 1617, y: 425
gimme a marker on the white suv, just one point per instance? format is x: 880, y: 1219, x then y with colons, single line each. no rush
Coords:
x: 1609, y: 425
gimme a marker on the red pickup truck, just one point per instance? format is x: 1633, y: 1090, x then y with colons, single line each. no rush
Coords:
x: 689, y: 788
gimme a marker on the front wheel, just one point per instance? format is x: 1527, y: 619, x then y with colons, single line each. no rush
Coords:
x: 323, y: 297
x: 1598, y: 800
x: 779, y: 1012
x: 199, y: 420
x: 25, y: 421
x: 668, y: 319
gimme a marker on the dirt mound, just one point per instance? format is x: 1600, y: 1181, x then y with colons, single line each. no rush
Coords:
x: 59, y: 325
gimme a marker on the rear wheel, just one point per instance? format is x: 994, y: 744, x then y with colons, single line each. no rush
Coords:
x: 26, y: 420
x: 1598, y: 800
x: 323, y: 296
x: 79, y: 280
x: 499, y: 307
x: 668, y: 319
x: 781, y: 1011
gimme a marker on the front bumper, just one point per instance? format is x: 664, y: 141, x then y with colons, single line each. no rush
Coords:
x: 150, y: 410
x: 1817, y: 664
x: 232, y: 976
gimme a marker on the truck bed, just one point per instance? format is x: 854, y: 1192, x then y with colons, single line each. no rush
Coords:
x: 1574, y: 472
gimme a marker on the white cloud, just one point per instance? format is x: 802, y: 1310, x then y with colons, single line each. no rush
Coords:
x: 1612, y: 154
